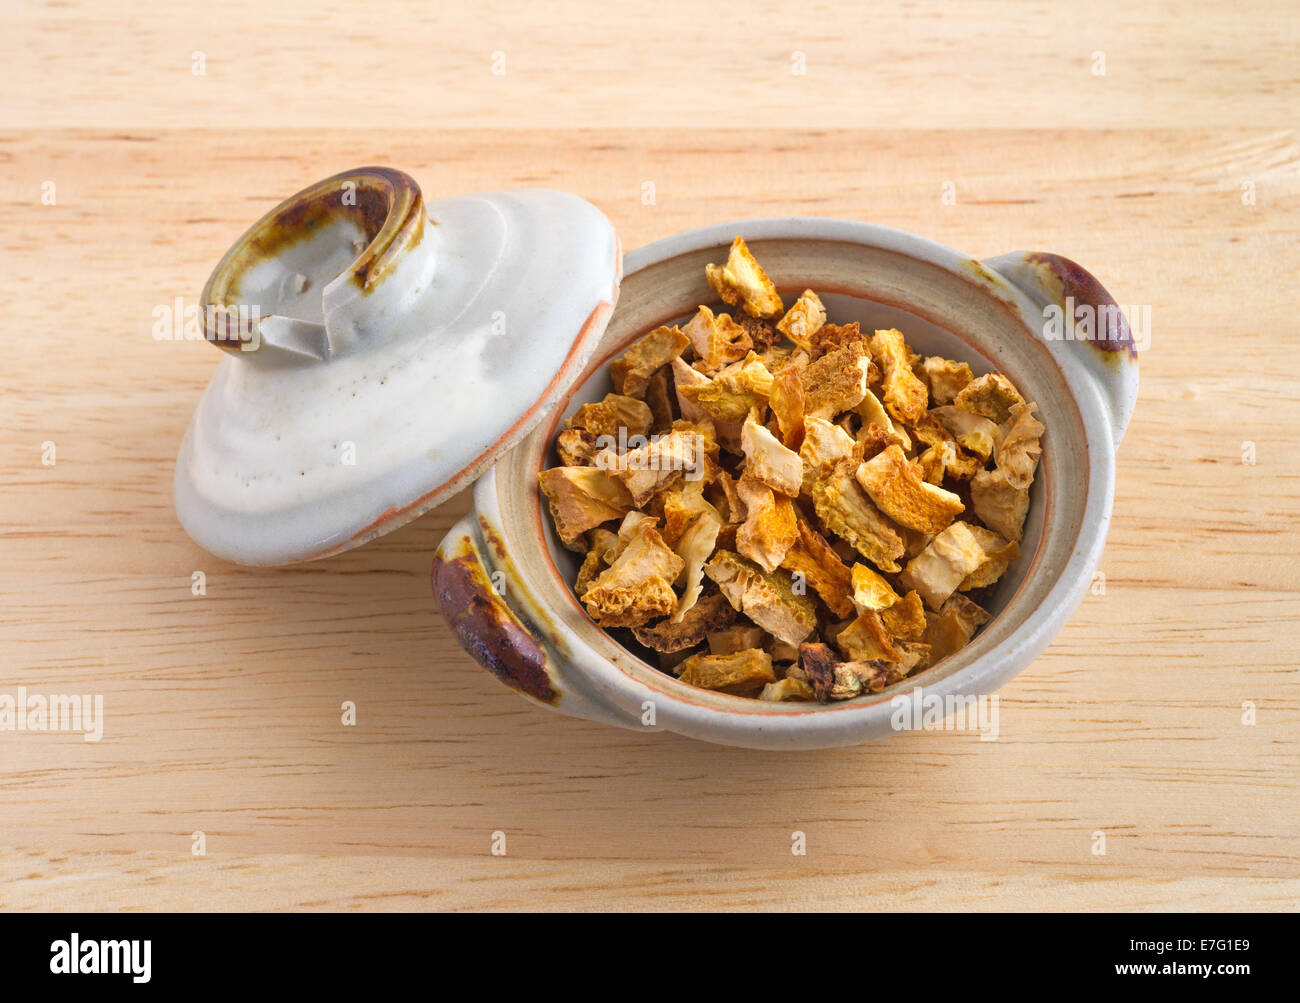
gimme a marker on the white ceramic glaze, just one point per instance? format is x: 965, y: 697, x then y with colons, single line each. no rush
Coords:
x: 397, y: 352
x: 535, y: 636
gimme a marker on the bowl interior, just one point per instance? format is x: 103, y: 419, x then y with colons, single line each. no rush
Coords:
x: 939, y: 312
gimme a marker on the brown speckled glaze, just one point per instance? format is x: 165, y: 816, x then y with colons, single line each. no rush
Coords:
x: 388, y: 208
x: 487, y: 628
x: 1080, y: 285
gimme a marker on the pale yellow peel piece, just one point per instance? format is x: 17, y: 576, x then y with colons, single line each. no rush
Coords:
x: 637, y: 587
x: 742, y: 281
x: 631, y: 371
x: 767, y: 460
x: 769, y: 600
x: 990, y: 396
x: 581, y: 498
x: 905, y: 396
x: 717, y: 339
x: 846, y: 511
x: 787, y: 689
x: 870, y: 590
x: 769, y: 529
x: 945, y: 378
x: 744, y: 672
x: 733, y: 392
x: 803, y: 320
x: 813, y: 557
x: 899, y: 490
x: 940, y: 568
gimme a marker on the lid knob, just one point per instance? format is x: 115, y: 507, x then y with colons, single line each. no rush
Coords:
x: 307, y: 282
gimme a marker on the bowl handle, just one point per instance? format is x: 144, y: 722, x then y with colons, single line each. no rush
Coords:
x: 1078, y: 312
x: 471, y: 590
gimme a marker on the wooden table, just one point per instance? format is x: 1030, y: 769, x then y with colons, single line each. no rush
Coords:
x: 1173, y: 175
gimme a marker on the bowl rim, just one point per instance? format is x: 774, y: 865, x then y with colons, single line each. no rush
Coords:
x: 853, y: 721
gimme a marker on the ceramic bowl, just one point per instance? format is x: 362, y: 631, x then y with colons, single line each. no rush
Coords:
x: 503, y: 580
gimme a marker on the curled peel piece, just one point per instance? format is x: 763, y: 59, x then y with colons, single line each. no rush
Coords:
x: 742, y: 282
x: 897, y: 488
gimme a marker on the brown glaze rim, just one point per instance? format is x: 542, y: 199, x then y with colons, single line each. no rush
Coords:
x: 389, y: 209
x: 487, y: 628
x: 1082, y: 286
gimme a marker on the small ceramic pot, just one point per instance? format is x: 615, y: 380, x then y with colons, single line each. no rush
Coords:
x: 504, y: 582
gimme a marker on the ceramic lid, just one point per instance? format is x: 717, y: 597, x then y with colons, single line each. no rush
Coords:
x: 380, y: 354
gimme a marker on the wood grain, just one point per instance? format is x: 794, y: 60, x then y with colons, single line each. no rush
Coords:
x: 672, y: 63
x: 222, y: 711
